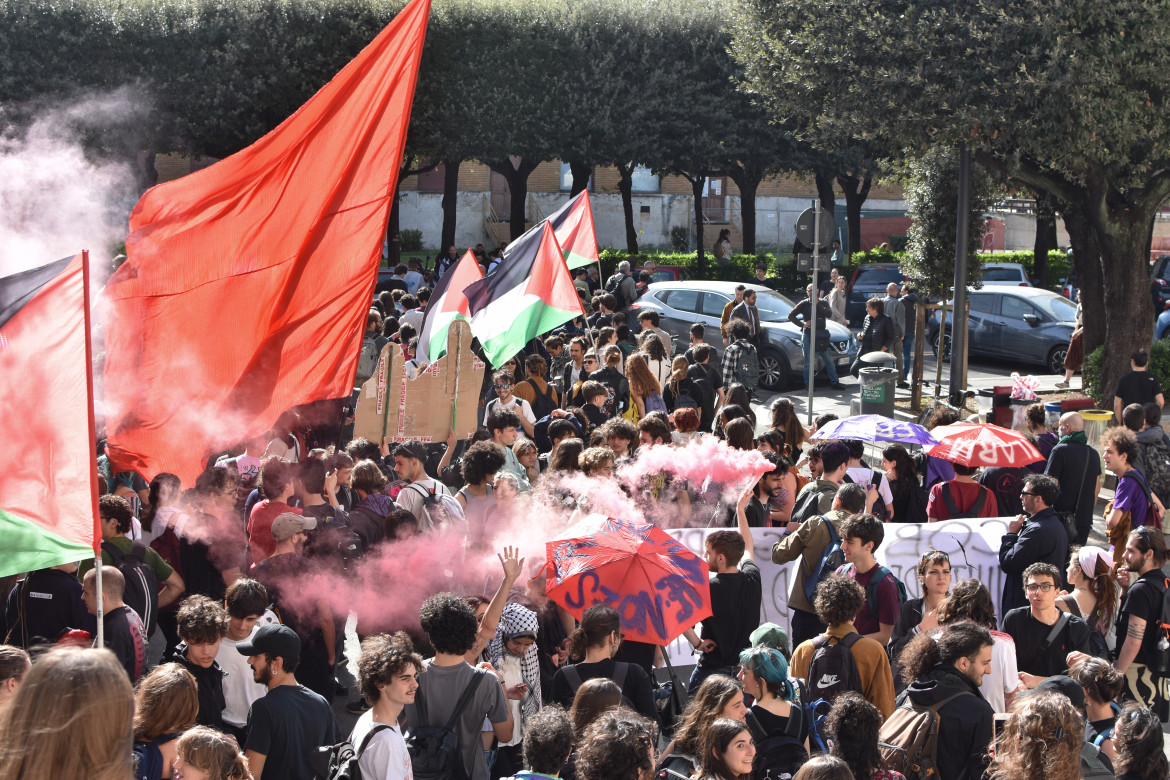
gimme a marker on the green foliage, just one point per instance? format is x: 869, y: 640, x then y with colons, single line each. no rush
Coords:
x: 1091, y: 376
x: 1160, y: 361
x: 931, y: 201
x: 410, y: 240
x: 899, y: 243
x: 680, y: 238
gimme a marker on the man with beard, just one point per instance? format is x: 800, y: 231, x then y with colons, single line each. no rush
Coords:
x: 290, y: 722
x: 1138, y: 629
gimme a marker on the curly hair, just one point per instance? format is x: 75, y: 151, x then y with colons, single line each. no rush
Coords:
x: 593, y: 699
x: 964, y: 639
x: 642, y: 380
x: 383, y: 658
x: 449, y: 622
x: 1139, y: 740
x: 969, y: 600
x: 838, y: 600
x: 618, y: 746
x: 118, y: 509
x: 367, y: 477
x: 213, y: 752
x: 1042, y: 738
x: 275, y: 477
x: 548, y: 739
x: 685, y: 419
x: 853, y: 725
x: 709, y: 700
x: 718, y: 738
x: 619, y: 428
x: 500, y: 419
x: 481, y: 460
x: 363, y: 449
x: 166, y: 701
x: 593, y: 457
x: 202, y: 621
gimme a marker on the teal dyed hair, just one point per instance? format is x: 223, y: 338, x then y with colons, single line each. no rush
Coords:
x: 770, y: 666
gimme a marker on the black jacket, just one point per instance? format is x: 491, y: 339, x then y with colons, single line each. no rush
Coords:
x: 876, y: 332
x: 1042, y: 538
x: 965, y: 722
x: 210, y: 682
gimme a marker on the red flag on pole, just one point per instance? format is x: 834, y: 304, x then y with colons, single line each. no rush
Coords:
x: 248, y: 283
x: 48, y: 486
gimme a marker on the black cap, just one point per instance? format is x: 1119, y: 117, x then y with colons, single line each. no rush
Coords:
x: 1062, y: 683
x: 273, y: 640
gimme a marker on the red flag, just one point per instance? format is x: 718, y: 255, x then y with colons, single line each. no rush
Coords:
x: 48, y: 486
x: 248, y: 283
x: 573, y: 224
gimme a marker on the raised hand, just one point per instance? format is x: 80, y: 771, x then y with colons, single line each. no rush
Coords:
x: 511, y: 562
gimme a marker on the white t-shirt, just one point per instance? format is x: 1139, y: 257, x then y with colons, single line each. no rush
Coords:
x: 517, y: 405
x: 240, y: 688
x: 386, y: 757
x: 863, y: 476
x: 410, y: 499
x: 413, y: 279
x: 510, y: 668
x: 413, y: 318
x: 1004, y: 676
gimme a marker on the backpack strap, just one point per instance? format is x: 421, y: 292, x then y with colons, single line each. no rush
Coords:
x: 573, y: 677
x: 980, y: 500
x: 939, y: 704
x: 1054, y: 632
x: 361, y: 747
x: 465, y: 699
x: 849, y: 640
x: 116, y: 554
x: 949, y: 500
x: 754, y: 727
x: 139, y: 550
x: 871, y: 590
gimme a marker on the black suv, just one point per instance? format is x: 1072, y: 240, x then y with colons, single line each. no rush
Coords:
x: 869, y: 281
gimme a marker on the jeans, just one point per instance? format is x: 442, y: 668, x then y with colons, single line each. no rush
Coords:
x: 805, y: 626
x: 898, y: 347
x: 907, y: 354
x: 703, y: 672
x: 824, y: 355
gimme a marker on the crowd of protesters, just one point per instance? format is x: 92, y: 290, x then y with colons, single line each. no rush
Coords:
x: 228, y: 570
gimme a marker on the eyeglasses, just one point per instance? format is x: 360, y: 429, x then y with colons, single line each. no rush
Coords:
x: 1026, y: 493
x: 1039, y: 587
x: 502, y: 385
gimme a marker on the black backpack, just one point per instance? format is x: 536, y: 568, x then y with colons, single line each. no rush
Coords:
x: 340, y: 762
x: 778, y: 756
x: 832, y: 558
x: 832, y: 671
x: 620, y: 668
x: 141, y: 593
x: 543, y: 406
x: 953, y: 509
x: 1156, y: 469
x: 879, y: 506
x: 434, y: 750
x: 614, y: 287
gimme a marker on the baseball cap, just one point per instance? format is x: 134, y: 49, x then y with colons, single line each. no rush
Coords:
x: 1063, y: 684
x: 275, y: 641
x: 287, y: 525
x: 771, y: 635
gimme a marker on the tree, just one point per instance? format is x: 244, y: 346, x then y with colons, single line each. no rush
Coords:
x: 1067, y: 98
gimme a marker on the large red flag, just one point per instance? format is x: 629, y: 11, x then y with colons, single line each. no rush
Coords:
x: 248, y: 283
x: 48, y: 485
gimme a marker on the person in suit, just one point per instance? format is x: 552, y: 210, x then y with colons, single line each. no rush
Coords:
x: 747, y: 312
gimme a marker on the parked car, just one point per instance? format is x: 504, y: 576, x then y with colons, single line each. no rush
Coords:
x: 1160, y: 283
x: 869, y: 281
x: 1024, y: 324
x: 1005, y: 275
x: 681, y: 304
x: 665, y: 273
x: 1162, y: 325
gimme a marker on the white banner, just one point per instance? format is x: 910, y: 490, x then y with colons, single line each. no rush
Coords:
x: 973, y: 546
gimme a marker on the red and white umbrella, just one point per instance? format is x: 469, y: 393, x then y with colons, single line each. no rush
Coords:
x: 979, y: 444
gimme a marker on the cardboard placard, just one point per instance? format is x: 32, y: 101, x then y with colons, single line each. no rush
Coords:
x: 444, y: 395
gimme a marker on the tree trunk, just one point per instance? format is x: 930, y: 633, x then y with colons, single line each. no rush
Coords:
x: 450, y: 203
x: 626, y: 188
x: 856, y: 192
x: 697, y: 195
x: 1045, y: 238
x: 1087, y: 275
x: 517, y: 177
x: 393, y: 231
x: 581, y: 173
x: 824, y: 180
x: 748, y: 182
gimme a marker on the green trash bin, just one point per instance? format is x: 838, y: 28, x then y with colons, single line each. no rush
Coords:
x: 877, y: 390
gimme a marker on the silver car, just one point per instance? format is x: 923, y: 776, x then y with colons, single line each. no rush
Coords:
x: 681, y: 304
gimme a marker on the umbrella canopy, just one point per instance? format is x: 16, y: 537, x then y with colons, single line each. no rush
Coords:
x: 875, y: 427
x: 658, y: 586
x: 980, y: 444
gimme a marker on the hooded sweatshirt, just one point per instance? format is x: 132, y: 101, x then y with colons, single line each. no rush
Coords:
x: 965, y: 723
x: 210, y: 683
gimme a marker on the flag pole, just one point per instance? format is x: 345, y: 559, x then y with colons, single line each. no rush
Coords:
x: 97, y: 529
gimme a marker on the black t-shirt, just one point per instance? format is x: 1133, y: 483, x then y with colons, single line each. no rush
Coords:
x: 1029, y: 635
x: 1005, y: 482
x: 1137, y: 387
x: 640, y: 653
x: 637, y: 688
x: 286, y: 576
x: 1143, y: 600
x: 125, y: 636
x: 756, y: 513
x: 43, y: 606
x: 735, y: 606
x: 286, y: 725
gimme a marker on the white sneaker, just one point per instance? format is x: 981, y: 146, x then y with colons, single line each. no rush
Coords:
x: 1062, y: 385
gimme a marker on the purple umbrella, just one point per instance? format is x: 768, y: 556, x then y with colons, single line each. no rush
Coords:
x: 875, y: 427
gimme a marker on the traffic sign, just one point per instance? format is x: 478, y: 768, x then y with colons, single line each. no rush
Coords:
x: 806, y: 231
x: 804, y: 262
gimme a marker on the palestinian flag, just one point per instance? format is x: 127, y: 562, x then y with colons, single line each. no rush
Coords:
x: 48, y: 486
x: 447, y: 304
x: 573, y: 225
x: 529, y: 294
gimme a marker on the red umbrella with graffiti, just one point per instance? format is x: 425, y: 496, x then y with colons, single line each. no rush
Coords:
x: 980, y: 444
x: 658, y: 586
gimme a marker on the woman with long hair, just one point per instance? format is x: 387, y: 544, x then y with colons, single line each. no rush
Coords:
x: 719, y: 696
x: 1095, y: 595
x: 595, y: 642
x: 1102, y: 683
x: 594, y: 699
x: 165, y: 490
x: 643, y: 383
x: 824, y: 767
x: 728, y: 751
x: 206, y: 754
x: 70, y: 718
x: 654, y: 353
x: 852, y: 728
x: 739, y: 395
x: 971, y: 600
x: 1042, y: 738
x: 920, y: 615
x: 740, y: 434
x: 786, y: 421
x: 1141, y: 754
x: 564, y: 457
x: 680, y: 386
x: 166, y: 704
x: 909, y: 498
x: 764, y: 674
